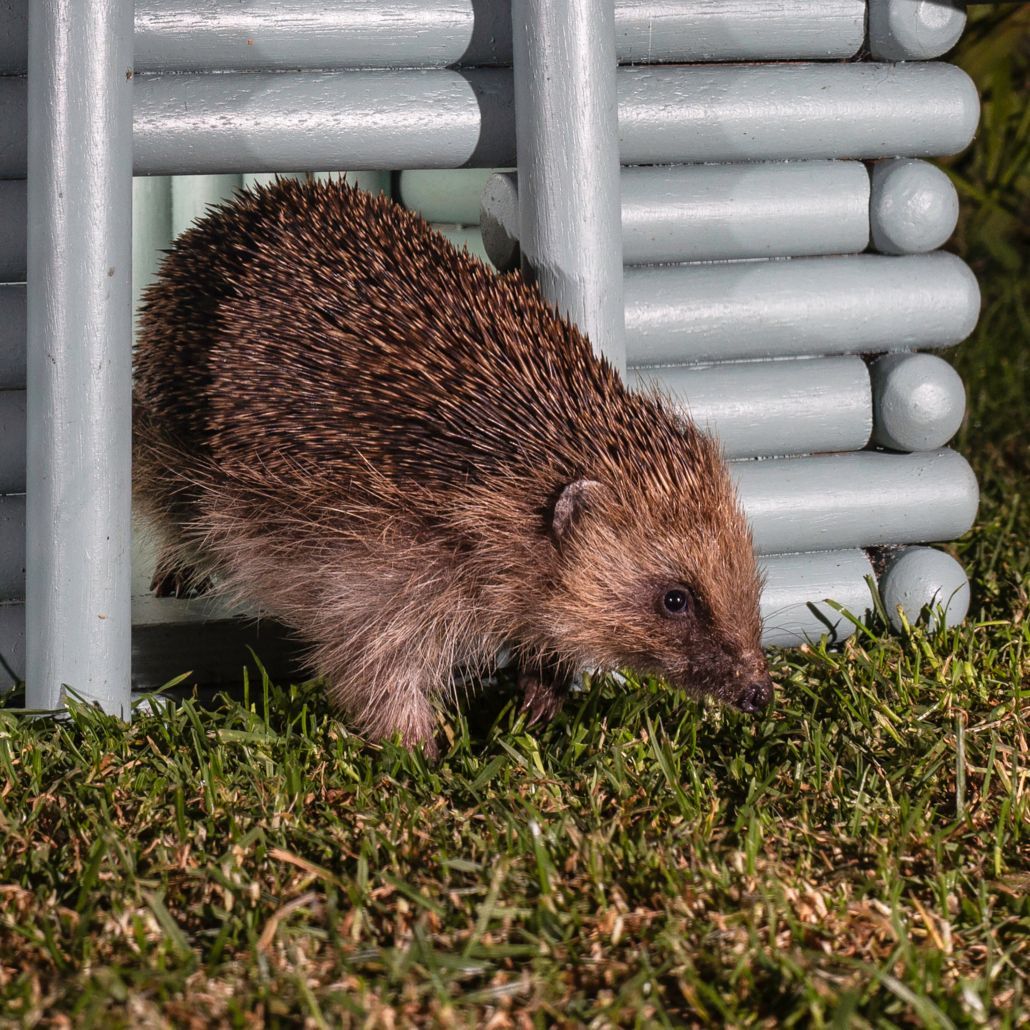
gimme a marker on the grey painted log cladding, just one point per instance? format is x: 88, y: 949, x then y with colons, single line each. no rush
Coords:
x: 716, y: 212
x: 856, y: 500
x: 907, y: 30
x: 566, y: 117
x: 187, y: 124
x: 265, y: 34
x: 797, y: 583
x: 13, y: 220
x: 13, y: 332
x: 170, y: 637
x: 918, y: 401
x: 760, y: 408
x: 913, y: 207
x: 922, y: 577
x: 79, y: 352
x: 800, y: 306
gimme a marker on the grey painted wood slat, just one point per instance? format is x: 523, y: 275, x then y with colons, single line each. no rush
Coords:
x: 564, y: 61
x: 912, y: 30
x: 79, y: 351
x: 13, y: 238
x: 795, y: 584
x: 13, y: 333
x: 190, y: 124
x: 918, y: 401
x: 861, y: 499
x: 913, y: 207
x: 760, y: 408
x: 825, y: 305
x: 714, y: 212
x: 172, y: 35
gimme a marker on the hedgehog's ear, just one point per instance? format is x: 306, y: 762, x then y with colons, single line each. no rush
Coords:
x: 573, y: 501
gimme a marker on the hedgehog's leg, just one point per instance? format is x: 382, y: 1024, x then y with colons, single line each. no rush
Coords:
x: 544, y: 688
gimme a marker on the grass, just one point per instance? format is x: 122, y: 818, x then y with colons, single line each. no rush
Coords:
x: 858, y: 858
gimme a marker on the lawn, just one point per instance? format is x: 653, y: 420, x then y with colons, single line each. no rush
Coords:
x: 858, y: 857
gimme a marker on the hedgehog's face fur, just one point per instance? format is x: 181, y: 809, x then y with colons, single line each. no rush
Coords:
x: 668, y: 588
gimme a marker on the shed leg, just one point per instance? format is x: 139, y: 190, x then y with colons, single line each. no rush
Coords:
x: 78, y: 533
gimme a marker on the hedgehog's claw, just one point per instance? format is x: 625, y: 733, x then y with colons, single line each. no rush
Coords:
x: 543, y: 696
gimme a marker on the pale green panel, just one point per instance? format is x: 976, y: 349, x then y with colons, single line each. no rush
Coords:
x: 266, y: 178
x: 468, y: 238
x: 151, y: 231
x: 373, y: 182
x: 448, y: 195
x: 193, y: 194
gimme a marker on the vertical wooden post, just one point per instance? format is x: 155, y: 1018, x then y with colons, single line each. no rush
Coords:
x: 78, y: 631
x: 566, y: 121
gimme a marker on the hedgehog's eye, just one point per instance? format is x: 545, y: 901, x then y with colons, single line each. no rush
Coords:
x: 676, y: 601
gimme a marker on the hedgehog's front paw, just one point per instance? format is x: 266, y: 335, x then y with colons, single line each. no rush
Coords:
x: 543, y: 694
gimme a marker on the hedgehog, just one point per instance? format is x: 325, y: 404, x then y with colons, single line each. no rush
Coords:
x: 414, y: 463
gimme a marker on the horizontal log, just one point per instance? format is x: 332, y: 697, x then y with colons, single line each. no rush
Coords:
x: 913, y: 207
x: 192, y: 124
x: 797, y: 587
x: 862, y: 499
x: 714, y: 212
x: 764, y: 408
x: 918, y: 401
x: 172, y: 35
x: 823, y: 305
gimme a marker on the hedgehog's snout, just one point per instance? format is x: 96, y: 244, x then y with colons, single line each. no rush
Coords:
x: 755, y: 697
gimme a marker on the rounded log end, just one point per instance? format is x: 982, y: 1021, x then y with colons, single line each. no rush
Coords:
x: 914, y: 30
x: 913, y: 207
x: 499, y: 220
x: 924, y: 581
x: 918, y: 402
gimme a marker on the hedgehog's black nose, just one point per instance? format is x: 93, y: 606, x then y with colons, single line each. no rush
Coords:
x: 756, y: 697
